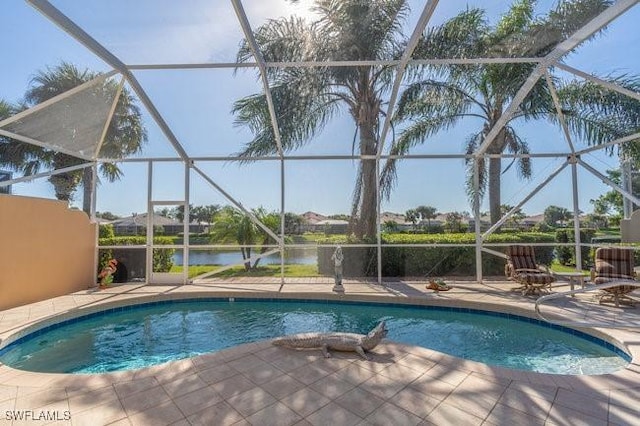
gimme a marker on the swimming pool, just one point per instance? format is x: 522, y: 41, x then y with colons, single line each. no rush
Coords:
x: 153, y: 333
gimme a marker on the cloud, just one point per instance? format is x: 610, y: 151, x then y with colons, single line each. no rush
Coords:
x: 213, y: 33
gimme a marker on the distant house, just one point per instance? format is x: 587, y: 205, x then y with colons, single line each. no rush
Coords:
x: 137, y: 225
x: 310, y: 221
x: 332, y: 226
x: 531, y: 221
x: 398, y: 219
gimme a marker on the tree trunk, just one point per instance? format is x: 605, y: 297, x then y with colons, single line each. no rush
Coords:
x: 369, y: 201
x: 495, y: 173
x: 246, y: 255
x: 87, y: 185
x: 367, y: 119
x: 495, y: 168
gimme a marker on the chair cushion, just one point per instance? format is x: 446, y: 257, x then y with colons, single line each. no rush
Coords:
x: 522, y: 257
x: 620, y: 289
x: 607, y: 278
x: 535, y: 278
x: 614, y: 262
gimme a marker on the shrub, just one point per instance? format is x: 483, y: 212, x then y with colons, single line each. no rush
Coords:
x: 106, y: 231
x: 566, y: 255
x: 162, y: 257
x: 456, y: 259
x: 563, y: 253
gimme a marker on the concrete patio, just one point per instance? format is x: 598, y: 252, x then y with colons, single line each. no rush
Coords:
x: 260, y: 384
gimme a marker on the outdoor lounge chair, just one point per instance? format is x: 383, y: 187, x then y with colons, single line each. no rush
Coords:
x: 614, y: 264
x: 523, y: 268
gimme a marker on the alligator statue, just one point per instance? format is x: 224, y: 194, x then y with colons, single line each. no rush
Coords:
x: 347, y: 342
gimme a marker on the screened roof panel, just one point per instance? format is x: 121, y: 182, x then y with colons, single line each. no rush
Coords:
x: 312, y: 35
x: 324, y: 187
x: 71, y: 122
x: 160, y: 31
x: 609, y: 52
x: 254, y: 186
x: 490, y: 29
x: 197, y: 105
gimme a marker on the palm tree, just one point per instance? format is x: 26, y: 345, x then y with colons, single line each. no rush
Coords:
x: 484, y: 91
x: 125, y: 134
x: 411, y: 215
x: 427, y: 212
x: 306, y: 98
x: 13, y: 154
x: 230, y: 225
x: 516, y: 217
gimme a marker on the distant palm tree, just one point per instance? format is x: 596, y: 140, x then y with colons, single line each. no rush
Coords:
x: 411, y: 215
x: 125, y: 134
x: 483, y: 91
x: 427, y: 212
x: 231, y: 225
x: 306, y: 98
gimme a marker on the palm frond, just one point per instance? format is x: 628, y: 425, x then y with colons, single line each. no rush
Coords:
x: 596, y: 115
x: 412, y: 136
x: 472, y: 144
x: 516, y: 145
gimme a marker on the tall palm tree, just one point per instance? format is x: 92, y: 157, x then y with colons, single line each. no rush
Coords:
x: 306, y: 98
x: 450, y: 94
x: 125, y: 134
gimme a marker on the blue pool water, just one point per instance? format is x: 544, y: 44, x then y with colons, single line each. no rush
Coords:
x: 155, y: 333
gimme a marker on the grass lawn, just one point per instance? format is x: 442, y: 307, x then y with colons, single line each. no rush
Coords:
x: 556, y: 267
x: 292, y: 270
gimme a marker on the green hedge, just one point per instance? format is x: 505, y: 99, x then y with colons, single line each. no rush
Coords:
x: 106, y: 231
x: 566, y: 255
x: 428, y: 261
x: 162, y: 257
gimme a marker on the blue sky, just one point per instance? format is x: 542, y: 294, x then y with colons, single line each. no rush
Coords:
x: 197, y: 104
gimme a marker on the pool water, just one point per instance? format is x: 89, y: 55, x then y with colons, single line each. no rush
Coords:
x: 156, y: 333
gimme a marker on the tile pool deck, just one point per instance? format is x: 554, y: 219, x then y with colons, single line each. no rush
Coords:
x: 260, y: 384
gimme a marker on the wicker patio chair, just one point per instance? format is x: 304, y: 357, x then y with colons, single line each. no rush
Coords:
x: 614, y: 264
x: 523, y: 268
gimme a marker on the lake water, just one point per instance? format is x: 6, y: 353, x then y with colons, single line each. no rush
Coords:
x: 303, y: 256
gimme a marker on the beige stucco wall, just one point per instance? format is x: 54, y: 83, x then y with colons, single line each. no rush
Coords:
x: 630, y: 228
x: 46, y: 250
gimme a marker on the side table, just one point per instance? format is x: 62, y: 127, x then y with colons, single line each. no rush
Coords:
x: 573, y: 278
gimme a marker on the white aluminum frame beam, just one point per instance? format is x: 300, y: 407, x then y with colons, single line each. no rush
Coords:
x: 599, y: 81
x: 609, y: 182
x: 556, y: 104
x: 427, y: 12
x: 311, y: 64
x: 337, y: 157
x: 566, y: 46
x: 238, y: 204
x: 35, y: 176
x: 253, y: 45
x: 549, y: 178
x: 618, y: 141
x: 45, y: 145
x: 112, y: 111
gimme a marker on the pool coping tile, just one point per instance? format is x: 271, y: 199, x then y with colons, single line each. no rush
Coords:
x: 423, y: 385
